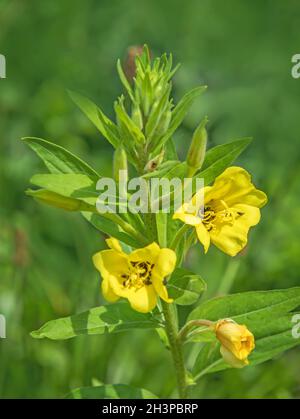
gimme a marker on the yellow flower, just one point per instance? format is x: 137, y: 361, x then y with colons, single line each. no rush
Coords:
x: 139, y: 276
x: 237, y: 342
x: 231, y: 207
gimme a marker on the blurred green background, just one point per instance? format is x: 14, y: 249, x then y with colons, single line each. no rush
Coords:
x: 243, y: 51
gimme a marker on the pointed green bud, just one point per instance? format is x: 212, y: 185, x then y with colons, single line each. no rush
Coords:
x: 120, y: 163
x: 196, y: 153
x: 137, y: 117
x: 164, y: 123
x: 59, y: 201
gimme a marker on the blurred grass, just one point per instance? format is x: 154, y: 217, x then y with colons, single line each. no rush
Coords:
x: 243, y: 52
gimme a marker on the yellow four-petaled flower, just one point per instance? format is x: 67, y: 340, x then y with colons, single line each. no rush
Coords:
x: 231, y: 206
x: 138, y: 276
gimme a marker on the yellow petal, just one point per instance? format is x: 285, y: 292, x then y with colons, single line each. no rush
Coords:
x: 231, y: 239
x: 143, y: 299
x: 187, y: 215
x: 107, y: 292
x: 114, y: 244
x: 163, y: 267
x: 111, y: 263
x: 203, y: 236
x: 234, y: 186
x: 148, y: 253
x: 230, y: 359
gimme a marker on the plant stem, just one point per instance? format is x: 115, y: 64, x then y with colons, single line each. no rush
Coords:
x: 126, y: 227
x: 176, y: 350
x: 193, y: 323
x: 180, y: 233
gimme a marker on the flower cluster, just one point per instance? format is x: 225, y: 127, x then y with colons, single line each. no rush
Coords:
x: 146, y: 249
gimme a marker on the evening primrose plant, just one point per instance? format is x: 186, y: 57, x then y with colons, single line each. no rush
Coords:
x: 143, y: 278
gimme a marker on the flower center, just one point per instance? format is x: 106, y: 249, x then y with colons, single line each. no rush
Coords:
x: 218, y: 213
x: 139, y: 275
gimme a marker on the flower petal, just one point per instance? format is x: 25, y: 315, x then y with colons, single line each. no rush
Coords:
x: 111, y: 263
x: 107, y: 292
x: 187, y: 215
x: 114, y: 244
x: 143, y: 299
x: 148, y: 253
x: 231, y: 239
x: 203, y: 236
x: 234, y: 187
x: 164, y: 266
x: 230, y: 359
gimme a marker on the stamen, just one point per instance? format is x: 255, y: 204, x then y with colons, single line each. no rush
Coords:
x: 139, y: 275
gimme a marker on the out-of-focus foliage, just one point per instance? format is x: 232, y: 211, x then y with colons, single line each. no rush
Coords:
x: 242, y: 51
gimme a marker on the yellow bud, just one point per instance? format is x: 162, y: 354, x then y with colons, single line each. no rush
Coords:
x: 196, y: 153
x: 237, y: 342
x: 120, y: 163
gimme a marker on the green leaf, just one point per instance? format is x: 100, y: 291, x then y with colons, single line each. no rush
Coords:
x: 110, y: 391
x: 185, y: 287
x: 246, y: 306
x: 110, y: 228
x: 69, y: 185
x: 59, y: 201
x: 113, y: 318
x: 124, y: 81
x: 133, y: 132
x: 272, y: 337
x: 265, y: 313
x: 108, y: 129
x: 219, y: 158
x: 179, y: 113
x: 58, y: 159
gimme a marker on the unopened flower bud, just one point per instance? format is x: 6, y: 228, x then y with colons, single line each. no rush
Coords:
x: 164, y: 123
x: 137, y: 117
x: 120, y: 163
x: 237, y: 342
x: 196, y: 153
x: 130, y: 67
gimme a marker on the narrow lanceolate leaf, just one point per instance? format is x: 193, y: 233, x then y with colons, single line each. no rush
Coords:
x: 113, y: 318
x: 58, y: 159
x: 267, y: 314
x: 219, y: 158
x: 108, y: 129
x: 124, y: 81
x: 110, y: 391
x: 59, y: 201
x: 185, y: 287
x: 179, y: 113
x: 69, y: 185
